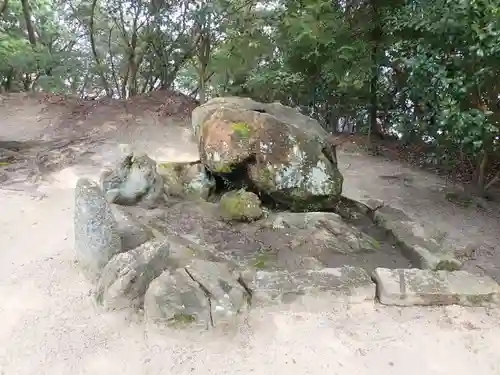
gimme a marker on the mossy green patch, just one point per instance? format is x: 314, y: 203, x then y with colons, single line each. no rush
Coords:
x: 266, y: 178
x: 374, y: 243
x: 180, y: 319
x: 261, y: 261
x: 223, y: 168
x: 165, y: 165
x: 240, y: 205
x: 462, y: 200
x: 241, y: 129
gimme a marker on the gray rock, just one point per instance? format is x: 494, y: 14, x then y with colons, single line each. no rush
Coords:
x: 423, y: 252
x: 203, y: 291
x: 317, y: 233
x: 407, y: 287
x: 174, y: 297
x: 186, y: 180
x: 126, y: 277
x: 347, y: 283
x: 132, y: 233
x: 134, y: 181
x: 97, y: 238
x: 220, y: 280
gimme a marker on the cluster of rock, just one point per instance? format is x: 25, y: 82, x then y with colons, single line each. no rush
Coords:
x: 201, y: 241
x: 270, y: 149
x: 162, y: 237
x: 140, y: 259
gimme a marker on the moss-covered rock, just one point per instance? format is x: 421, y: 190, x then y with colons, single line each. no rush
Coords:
x: 240, y: 205
x: 286, y: 156
x: 186, y: 180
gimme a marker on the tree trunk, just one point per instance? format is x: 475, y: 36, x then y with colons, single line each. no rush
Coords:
x: 29, y: 25
x: 104, y: 81
x: 481, y: 171
x: 375, y: 128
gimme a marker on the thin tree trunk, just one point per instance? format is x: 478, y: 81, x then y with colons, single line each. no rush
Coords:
x: 375, y: 129
x: 104, y: 81
x: 29, y: 25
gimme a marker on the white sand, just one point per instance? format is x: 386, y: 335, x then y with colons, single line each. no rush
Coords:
x: 49, y: 325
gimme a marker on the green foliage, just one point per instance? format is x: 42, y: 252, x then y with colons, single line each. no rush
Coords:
x: 427, y: 70
x: 451, y: 62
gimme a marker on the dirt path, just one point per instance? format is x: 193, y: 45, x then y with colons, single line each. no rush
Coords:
x: 50, y: 326
x: 473, y: 233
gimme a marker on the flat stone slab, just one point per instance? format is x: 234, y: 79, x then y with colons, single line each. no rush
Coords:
x: 423, y: 252
x: 408, y: 287
x: 348, y: 284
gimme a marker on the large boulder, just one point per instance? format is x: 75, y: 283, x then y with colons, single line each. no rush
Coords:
x: 97, y: 238
x: 285, y: 114
x: 134, y: 181
x: 280, y: 152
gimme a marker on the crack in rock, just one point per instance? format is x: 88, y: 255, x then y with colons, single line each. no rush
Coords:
x: 207, y: 293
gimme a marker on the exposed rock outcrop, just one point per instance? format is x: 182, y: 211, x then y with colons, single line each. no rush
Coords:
x: 272, y: 149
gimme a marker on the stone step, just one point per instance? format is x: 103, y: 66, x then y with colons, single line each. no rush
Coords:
x: 408, y: 287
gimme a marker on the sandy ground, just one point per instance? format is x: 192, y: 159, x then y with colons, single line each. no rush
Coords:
x: 49, y: 324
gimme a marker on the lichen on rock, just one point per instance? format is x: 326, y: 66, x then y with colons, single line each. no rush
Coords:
x: 134, y: 181
x: 97, y: 236
x: 286, y: 156
x: 186, y: 180
x: 240, y: 205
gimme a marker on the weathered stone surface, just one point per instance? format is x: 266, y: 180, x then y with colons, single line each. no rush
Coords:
x: 126, y: 277
x: 228, y: 297
x: 97, y: 238
x: 317, y: 233
x: 346, y: 283
x: 186, y: 180
x: 301, y: 241
x: 283, y: 113
x: 423, y: 252
x: 240, y: 205
x: 134, y: 181
x: 203, y: 291
x: 406, y: 287
x: 284, y: 154
x: 174, y: 297
x: 132, y: 233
